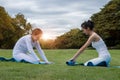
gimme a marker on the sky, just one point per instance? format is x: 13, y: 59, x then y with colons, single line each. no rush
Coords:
x: 54, y: 17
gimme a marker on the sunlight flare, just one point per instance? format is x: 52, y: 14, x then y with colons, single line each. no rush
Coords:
x: 46, y: 37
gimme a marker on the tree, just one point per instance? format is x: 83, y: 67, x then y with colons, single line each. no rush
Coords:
x: 107, y: 23
x: 5, y: 27
x: 5, y: 23
x: 11, y: 29
x: 21, y: 26
x: 72, y: 39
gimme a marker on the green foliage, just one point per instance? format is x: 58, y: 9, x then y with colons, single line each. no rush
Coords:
x: 72, y: 39
x: 5, y: 23
x: 21, y: 24
x: 59, y: 70
x: 11, y: 29
x: 6, y: 28
x: 107, y: 23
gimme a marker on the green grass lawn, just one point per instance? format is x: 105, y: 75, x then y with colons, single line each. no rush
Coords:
x: 59, y: 70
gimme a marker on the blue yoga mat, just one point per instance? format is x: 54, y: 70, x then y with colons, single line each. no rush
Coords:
x: 81, y: 64
x: 13, y: 60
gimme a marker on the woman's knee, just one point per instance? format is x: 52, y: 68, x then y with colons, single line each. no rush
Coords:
x: 90, y: 64
x: 103, y: 63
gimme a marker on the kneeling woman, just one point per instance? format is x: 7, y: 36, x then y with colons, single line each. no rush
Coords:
x: 104, y: 57
x: 23, y: 49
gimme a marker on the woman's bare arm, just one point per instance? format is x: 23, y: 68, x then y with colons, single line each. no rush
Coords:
x: 91, y: 38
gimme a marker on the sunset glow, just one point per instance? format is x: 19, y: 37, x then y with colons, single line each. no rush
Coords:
x: 46, y: 37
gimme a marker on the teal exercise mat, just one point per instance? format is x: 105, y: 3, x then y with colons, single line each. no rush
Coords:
x: 82, y: 64
x: 7, y: 59
x: 13, y: 60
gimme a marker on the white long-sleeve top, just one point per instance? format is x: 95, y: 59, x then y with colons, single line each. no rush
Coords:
x: 25, y: 45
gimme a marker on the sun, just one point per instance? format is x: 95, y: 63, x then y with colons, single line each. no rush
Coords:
x: 45, y: 37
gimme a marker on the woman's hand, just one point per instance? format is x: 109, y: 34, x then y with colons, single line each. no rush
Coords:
x: 49, y: 62
x: 70, y: 62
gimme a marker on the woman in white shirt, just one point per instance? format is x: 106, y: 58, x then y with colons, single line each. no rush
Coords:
x: 103, y: 58
x: 23, y: 49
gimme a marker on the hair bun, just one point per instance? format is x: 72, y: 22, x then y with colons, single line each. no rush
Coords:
x: 91, y: 22
x: 88, y: 24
